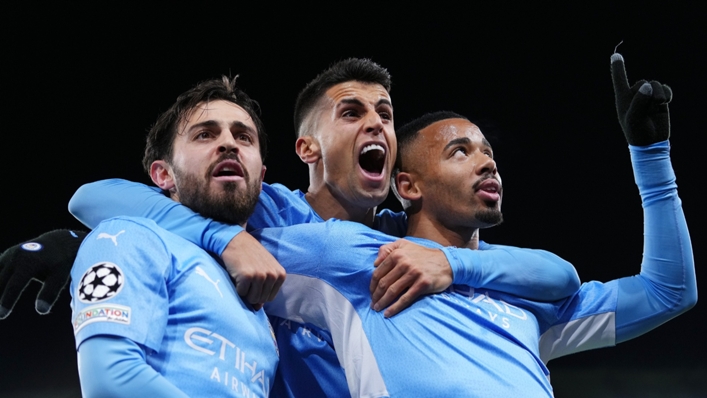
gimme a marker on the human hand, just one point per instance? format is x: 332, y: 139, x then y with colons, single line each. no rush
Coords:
x: 47, y: 258
x: 642, y: 108
x: 406, y: 271
x: 256, y: 273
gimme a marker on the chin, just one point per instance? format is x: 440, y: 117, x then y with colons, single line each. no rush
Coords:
x: 489, y: 217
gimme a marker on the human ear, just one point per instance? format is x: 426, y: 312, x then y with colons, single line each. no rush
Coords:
x: 161, y: 174
x: 308, y: 149
x: 407, y: 186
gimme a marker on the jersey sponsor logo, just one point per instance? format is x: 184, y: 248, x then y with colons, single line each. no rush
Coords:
x: 257, y: 382
x: 497, y: 310
x: 114, y: 238
x: 32, y: 246
x: 101, y: 313
x: 100, y: 282
x: 200, y: 271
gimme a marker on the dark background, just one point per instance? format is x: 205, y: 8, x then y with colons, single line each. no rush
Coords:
x: 81, y: 85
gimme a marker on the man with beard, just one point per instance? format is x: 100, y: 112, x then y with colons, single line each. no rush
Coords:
x: 153, y: 314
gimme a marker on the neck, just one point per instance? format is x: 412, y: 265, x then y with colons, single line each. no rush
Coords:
x: 327, y: 206
x: 330, y: 203
x: 420, y: 226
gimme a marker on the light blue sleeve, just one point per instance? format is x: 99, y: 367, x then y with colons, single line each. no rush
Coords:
x: 666, y: 286
x: 111, y: 366
x: 97, y: 201
x: 278, y: 206
x: 533, y: 274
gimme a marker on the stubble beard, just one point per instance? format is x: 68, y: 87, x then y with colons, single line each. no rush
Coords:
x: 225, y: 205
x: 490, y: 217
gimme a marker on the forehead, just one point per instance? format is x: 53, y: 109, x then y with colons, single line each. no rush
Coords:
x: 365, y: 92
x: 442, y: 132
x: 218, y: 111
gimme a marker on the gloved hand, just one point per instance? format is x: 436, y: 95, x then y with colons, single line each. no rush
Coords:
x: 47, y: 258
x: 642, y: 108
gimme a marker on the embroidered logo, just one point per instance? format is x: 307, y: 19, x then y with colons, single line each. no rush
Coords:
x: 114, y: 238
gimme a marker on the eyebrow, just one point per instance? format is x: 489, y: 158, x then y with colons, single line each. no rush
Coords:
x: 457, y: 141
x: 213, y: 123
x: 356, y: 101
x: 465, y: 141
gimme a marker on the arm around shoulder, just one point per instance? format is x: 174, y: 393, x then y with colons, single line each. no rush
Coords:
x: 529, y: 273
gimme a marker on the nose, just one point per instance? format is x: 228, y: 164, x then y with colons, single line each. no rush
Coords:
x: 487, y: 165
x: 227, y: 142
x: 374, y: 123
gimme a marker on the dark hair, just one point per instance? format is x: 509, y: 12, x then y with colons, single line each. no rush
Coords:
x: 406, y: 134
x: 352, y: 69
x: 160, y: 138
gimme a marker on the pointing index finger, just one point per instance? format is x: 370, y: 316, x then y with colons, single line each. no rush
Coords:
x: 618, y: 75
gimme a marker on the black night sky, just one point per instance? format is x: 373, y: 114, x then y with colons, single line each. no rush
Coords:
x: 81, y: 85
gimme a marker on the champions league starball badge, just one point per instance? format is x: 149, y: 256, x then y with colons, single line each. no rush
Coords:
x: 100, y: 282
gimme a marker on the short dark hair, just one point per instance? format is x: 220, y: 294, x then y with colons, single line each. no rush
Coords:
x: 352, y: 69
x: 160, y: 139
x: 406, y: 134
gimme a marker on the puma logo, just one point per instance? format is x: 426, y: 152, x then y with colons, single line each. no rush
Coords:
x: 114, y: 238
x: 201, y: 272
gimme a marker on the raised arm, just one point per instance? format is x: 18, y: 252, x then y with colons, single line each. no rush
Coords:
x: 666, y: 286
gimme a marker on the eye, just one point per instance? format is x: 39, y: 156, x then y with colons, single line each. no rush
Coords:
x: 349, y: 113
x: 386, y: 115
x: 488, y: 153
x: 460, y: 151
x: 245, y: 137
x: 203, y: 135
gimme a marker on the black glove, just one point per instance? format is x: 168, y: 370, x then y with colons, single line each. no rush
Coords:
x: 48, y: 258
x: 642, y: 108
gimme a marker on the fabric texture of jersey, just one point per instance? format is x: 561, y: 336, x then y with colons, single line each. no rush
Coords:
x: 309, y: 363
x: 479, y: 342
x: 136, y: 280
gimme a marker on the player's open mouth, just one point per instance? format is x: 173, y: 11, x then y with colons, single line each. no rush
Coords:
x: 489, y: 190
x: 372, y: 159
x: 228, y: 168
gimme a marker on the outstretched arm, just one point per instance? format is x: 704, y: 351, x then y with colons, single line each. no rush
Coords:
x: 256, y: 273
x: 406, y: 271
x: 100, y: 200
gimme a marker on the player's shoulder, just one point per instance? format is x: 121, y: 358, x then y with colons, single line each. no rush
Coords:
x: 279, y: 193
x: 129, y: 231
x: 137, y: 223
